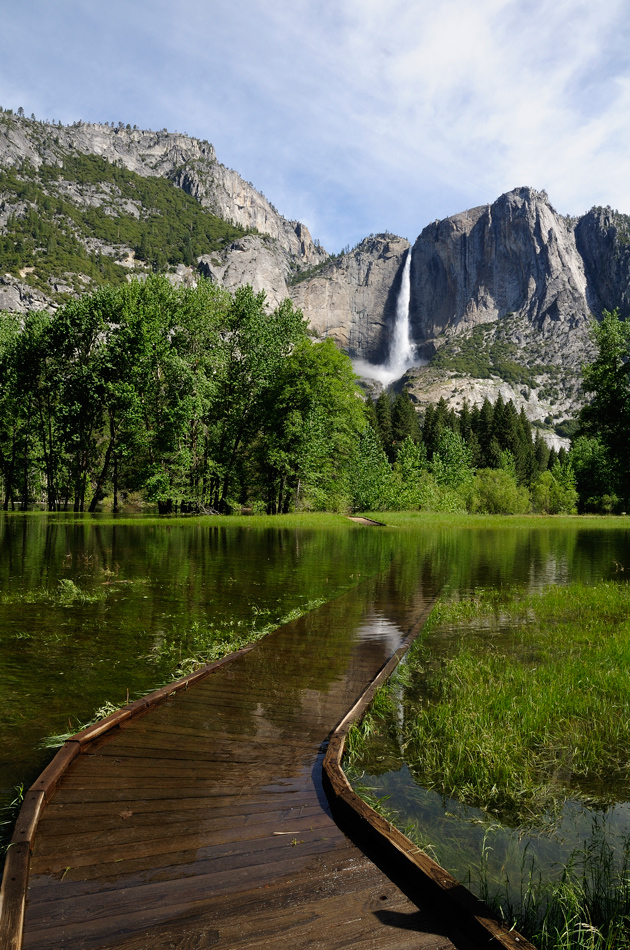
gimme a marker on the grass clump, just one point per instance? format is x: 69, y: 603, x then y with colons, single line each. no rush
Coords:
x: 515, y: 727
x: 518, y: 704
x: 66, y: 594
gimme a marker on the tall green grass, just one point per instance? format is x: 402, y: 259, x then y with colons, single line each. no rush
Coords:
x: 515, y: 725
x: 516, y: 703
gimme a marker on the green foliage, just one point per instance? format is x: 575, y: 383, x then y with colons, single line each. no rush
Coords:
x: 496, y: 492
x: 54, y: 234
x: 372, y: 480
x: 606, y: 418
x: 394, y: 420
x: 308, y: 436
x: 190, y: 396
x: 477, y: 355
x: 554, y: 492
x: 451, y: 464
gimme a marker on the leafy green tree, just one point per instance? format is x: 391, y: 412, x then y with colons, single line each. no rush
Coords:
x: 497, y: 492
x: 371, y: 476
x: 554, y: 492
x: 411, y: 471
x: 307, y: 439
x: 254, y: 346
x: 607, y: 416
x: 451, y: 464
x: 595, y: 474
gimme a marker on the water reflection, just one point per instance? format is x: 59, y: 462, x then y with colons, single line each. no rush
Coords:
x: 151, y: 584
x: 475, y: 846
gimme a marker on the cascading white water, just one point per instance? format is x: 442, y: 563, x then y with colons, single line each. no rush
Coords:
x: 402, y: 350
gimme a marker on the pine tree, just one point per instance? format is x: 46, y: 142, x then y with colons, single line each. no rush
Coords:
x: 384, y: 419
x: 405, y: 422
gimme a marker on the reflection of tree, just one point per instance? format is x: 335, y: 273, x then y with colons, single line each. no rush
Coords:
x: 59, y: 662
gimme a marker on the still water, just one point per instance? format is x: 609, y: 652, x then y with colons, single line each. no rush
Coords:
x: 93, y: 609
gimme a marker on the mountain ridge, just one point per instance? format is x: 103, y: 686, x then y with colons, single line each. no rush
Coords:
x: 501, y: 294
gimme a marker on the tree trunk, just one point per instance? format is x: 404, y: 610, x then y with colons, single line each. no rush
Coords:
x: 105, y: 468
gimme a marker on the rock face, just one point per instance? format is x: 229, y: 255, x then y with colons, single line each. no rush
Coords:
x: 190, y: 163
x: 254, y: 260
x: 19, y: 297
x: 603, y: 241
x: 353, y: 298
x: 514, y: 256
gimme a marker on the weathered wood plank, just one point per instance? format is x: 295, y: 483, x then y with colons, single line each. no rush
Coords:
x: 13, y: 896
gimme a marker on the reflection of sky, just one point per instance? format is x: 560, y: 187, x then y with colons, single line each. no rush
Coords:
x: 354, y: 116
x: 382, y: 630
x: 457, y: 835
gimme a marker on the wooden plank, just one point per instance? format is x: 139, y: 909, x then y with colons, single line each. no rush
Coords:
x: 13, y: 896
x: 72, y: 816
x: 287, y: 915
x: 62, y: 821
x: 89, y: 847
x: 28, y: 818
x: 103, y: 725
x: 47, y: 781
x: 219, y: 875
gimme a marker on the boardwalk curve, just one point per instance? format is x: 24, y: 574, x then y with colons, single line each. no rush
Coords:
x: 197, y: 818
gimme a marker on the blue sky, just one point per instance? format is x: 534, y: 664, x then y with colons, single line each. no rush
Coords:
x: 354, y: 116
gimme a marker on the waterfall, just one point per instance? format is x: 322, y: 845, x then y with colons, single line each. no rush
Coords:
x: 401, y: 351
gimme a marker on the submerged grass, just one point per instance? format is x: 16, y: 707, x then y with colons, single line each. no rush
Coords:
x: 587, y: 907
x: 515, y: 728
x: 202, y: 644
x: 65, y: 594
x: 534, y: 712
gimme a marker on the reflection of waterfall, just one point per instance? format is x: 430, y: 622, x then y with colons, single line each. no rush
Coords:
x: 402, y: 350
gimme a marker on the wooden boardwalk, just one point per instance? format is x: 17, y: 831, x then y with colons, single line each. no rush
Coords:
x: 202, y: 822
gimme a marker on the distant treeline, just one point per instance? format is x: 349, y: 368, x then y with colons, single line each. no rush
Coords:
x: 481, y: 459
x: 195, y: 399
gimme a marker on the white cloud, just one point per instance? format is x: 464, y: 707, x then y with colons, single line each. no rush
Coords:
x: 353, y: 114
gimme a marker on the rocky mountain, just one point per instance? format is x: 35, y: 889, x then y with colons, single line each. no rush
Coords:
x: 504, y: 293
x: 105, y: 190
x: 353, y: 297
x: 501, y: 295
x: 501, y: 298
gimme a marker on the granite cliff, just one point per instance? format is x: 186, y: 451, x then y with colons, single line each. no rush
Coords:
x: 268, y: 248
x: 501, y: 295
x: 353, y: 297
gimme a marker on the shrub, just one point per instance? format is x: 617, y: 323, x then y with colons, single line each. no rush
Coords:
x: 496, y: 492
x: 551, y: 497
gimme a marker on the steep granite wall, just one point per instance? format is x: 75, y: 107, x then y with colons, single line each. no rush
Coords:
x: 353, y: 299
x: 514, y: 256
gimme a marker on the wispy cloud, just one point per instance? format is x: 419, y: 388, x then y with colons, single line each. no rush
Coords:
x: 354, y: 115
